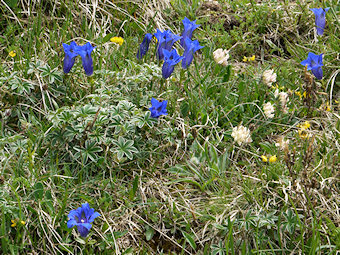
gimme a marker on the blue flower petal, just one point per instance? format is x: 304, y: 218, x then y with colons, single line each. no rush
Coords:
x: 158, y: 108
x: 144, y: 46
x: 320, y: 19
x: 314, y: 63
x: 93, y: 216
x: 84, y: 229
x: 317, y: 71
x: 189, y: 27
x: 71, y: 223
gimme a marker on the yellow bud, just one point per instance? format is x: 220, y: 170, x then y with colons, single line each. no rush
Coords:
x: 272, y: 159
x: 264, y: 158
x: 23, y: 222
x: 14, y: 223
x: 245, y: 59
x: 12, y: 54
x: 252, y: 58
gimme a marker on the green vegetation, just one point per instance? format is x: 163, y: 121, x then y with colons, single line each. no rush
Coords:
x: 179, y: 184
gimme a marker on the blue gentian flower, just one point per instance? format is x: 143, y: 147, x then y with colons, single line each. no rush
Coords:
x: 158, y: 108
x: 85, y: 52
x: 70, y: 56
x: 82, y: 217
x: 144, y: 46
x: 314, y: 63
x: 320, y: 19
x: 171, y: 58
x: 190, y: 48
x: 189, y: 27
x: 165, y: 40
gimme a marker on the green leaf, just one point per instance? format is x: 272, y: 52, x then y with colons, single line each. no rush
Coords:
x: 134, y: 188
x: 189, y: 239
x: 185, y: 108
x: 38, y: 190
x: 149, y: 233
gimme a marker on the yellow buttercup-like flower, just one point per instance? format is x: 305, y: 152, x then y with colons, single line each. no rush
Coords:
x: 245, y: 59
x: 14, y: 223
x: 12, y: 54
x: 264, y: 158
x: 272, y: 159
x: 117, y: 40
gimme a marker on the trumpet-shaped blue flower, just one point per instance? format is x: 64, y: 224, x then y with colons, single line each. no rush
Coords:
x: 314, y: 63
x: 165, y: 40
x: 144, y: 46
x: 190, y: 48
x: 82, y: 217
x: 158, y: 108
x: 189, y: 27
x: 171, y: 58
x: 85, y: 52
x: 320, y: 19
x: 70, y: 56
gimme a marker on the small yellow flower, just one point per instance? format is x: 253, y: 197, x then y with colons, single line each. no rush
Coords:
x: 118, y: 40
x: 23, y: 222
x: 272, y: 159
x: 245, y: 59
x: 12, y: 54
x: 303, y: 133
x: 252, y: 58
x: 306, y: 124
x: 173, y: 79
x: 14, y: 223
x: 155, y: 39
x: 298, y: 93
x: 304, y: 94
x: 264, y: 158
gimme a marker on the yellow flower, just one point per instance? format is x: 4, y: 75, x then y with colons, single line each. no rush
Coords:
x: 14, y: 223
x: 298, y: 93
x: 155, y: 39
x: 252, y: 58
x: 118, y: 40
x: 306, y: 124
x: 272, y: 159
x: 264, y: 158
x: 303, y: 133
x: 12, y: 54
x: 245, y: 59
x: 23, y: 222
x: 304, y: 94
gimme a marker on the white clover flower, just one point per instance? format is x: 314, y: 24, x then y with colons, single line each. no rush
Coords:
x: 276, y: 93
x: 269, y: 77
x: 241, y: 135
x: 268, y: 109
x: 283, y: 97
x: 221, y: 56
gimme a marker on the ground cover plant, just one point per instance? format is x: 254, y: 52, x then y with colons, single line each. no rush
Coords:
x: 169, y: 127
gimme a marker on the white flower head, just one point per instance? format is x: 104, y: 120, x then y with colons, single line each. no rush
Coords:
x: 283, y: 97
x: 269, y: 77
x: 241, y: 135
x: 269, y: 110
x: 221, y: 56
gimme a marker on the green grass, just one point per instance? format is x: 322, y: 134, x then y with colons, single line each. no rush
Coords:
x: 179, y: 184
